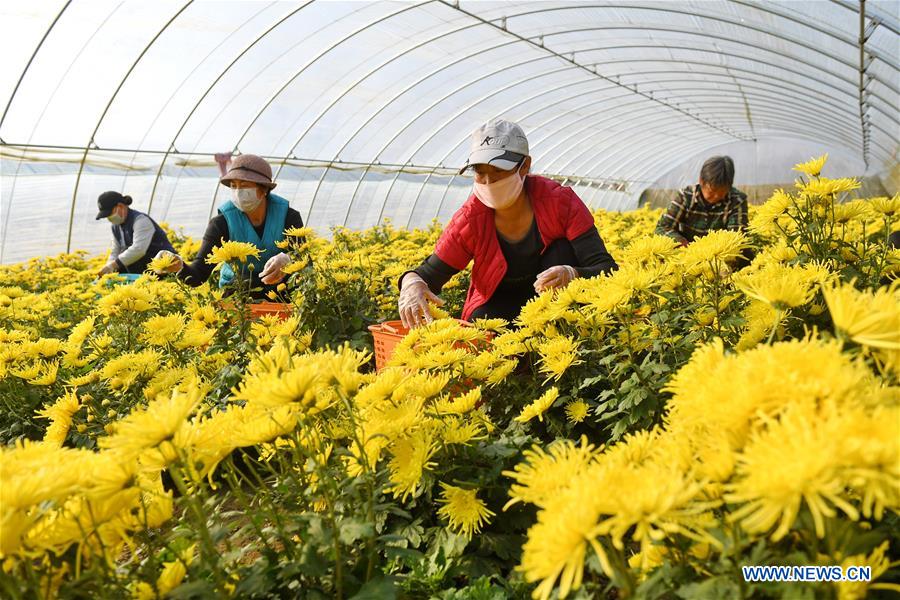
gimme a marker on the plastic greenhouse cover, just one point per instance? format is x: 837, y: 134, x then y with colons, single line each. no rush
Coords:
x: 365, y: 108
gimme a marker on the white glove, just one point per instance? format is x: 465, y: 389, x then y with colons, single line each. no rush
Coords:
x: 554, y: 277
x: 413, y: 303
x: 272, y: 273
x: 110, y: 267
x: 177, y: 265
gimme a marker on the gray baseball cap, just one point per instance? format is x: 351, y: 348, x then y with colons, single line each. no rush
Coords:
x: 499, y: 143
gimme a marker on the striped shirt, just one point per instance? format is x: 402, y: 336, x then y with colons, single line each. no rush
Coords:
x: 689, y: 216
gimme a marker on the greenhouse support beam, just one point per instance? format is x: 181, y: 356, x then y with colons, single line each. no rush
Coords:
x: 573, y: 166
x: 455, y: 115
x: 864, y: 33
x: 784, y: 84
x: 209, y: 89
x: 91, y: 141
x: 302, y: 69
x: 851, y: 81
x: 739, y: 23
x: 371, y: 72
x: 540, y: 128
x: 30, y: 60
x: 883, y: 19
x: 594, y: 73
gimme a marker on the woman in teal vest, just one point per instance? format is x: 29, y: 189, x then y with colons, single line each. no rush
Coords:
x: 255, y: 215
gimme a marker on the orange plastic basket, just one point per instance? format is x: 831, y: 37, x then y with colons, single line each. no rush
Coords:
x: 260, y: 309
x: 387, y: 335
x: 278, y: 309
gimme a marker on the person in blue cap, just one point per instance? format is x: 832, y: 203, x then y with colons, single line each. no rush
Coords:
x: 136, y: 236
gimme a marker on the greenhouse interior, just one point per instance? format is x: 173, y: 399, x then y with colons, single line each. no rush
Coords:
x: 450, y: 299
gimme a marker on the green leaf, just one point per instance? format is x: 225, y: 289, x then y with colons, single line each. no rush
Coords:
x: 355, y: 529
x: 381, y: 588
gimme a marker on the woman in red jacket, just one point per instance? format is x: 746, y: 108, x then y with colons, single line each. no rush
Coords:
x: 525, y: 234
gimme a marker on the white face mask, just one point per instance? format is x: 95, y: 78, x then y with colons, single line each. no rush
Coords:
x: 245, y: 199
x: 500, y: 194
x: 115, y: 218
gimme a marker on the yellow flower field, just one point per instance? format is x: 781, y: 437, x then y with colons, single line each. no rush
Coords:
x: 639, y: 435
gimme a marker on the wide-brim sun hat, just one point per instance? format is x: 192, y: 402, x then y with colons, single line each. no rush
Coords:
x: 249, y: 167
x: 498, y: 143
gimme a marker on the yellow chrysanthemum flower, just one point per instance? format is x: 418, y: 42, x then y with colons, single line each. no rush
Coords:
x: 539, y: 406
x: 812, y: 167
x: 867, y: 318
x: 411, y: 459
x: 60, y: 415
x: 576, y: 411
x: 878, y: 561
x: 163, y: 330
x: 463, y: 510
x: 889, y: 207
x: 230, y: 252
x: 148, y: 427
x: 161, y: 264
x: 780, y: 286
x: 824, y: 187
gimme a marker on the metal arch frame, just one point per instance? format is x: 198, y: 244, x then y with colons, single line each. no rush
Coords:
x: 567, y: 166
x: 577, y: 132
x: 475, y: 103
x: 786, y: 15
x: 802, y: 134
x: 6, y: 215
x: 785, y: 85
x: 386, y: 104
x: 826, y: 108
x: 175, y: 93
x: 652, y: 166
x: 560, y: 142
x: 883, y: 19
x: 209, y: 89
x: 677, y: 130
x: 37, y: 49
x: 627, y: 159
x: 684, y: 31
x: 540, y: 46
x: 299, y: 72
x: 719, y: 53
x: 753, y: 81
x: 112, y: 99
x: 575, y: 159
x: 227, y: 104
x: 714, y: 36
x: 455, y: 115
x: 593, y: 102
x: 507, y: 43
x: 743, y: 70
x: 735, y: 23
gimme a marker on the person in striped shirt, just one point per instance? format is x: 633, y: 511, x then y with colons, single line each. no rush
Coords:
x: 712, y: 204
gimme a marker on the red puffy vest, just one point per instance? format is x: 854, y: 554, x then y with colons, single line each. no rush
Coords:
x: 472, y: 235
